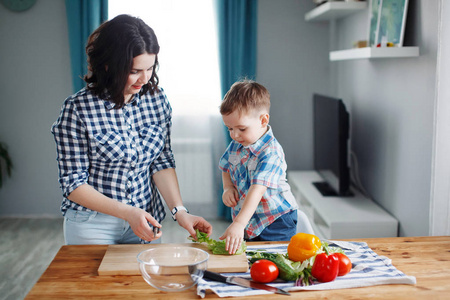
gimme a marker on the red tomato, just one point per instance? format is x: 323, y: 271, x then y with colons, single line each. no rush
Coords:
x: 345, y: 264
x: 264, y: 270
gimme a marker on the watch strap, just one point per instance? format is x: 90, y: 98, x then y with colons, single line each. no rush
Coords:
x: 177, y: 209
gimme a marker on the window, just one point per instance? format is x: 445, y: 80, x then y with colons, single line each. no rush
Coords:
x: 189, y: 73
x: 186, y: 31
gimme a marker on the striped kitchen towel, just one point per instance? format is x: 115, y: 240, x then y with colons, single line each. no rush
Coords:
x: 368, y: 269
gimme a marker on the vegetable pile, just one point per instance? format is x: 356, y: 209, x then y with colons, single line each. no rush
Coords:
x: 307, y: 258
x: 216, y: 247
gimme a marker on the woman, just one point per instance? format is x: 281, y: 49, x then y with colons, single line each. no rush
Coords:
x: 113, y: 143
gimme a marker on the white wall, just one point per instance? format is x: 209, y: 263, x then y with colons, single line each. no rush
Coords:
x: 34, y: 81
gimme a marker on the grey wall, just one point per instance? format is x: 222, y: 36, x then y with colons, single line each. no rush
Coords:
x: 34, y: 81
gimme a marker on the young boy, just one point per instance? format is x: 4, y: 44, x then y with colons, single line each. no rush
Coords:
x: 254, y: 170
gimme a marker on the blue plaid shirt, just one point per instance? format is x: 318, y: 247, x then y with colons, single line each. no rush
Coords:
x: 261, y: 163
x: 114, y: 150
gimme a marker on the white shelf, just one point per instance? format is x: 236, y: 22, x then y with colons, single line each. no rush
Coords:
x: 373, y: 52
x: 340, y: 217
x: 334, y: 10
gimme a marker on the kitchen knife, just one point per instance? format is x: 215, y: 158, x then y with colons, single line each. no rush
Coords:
x: 243, y: 282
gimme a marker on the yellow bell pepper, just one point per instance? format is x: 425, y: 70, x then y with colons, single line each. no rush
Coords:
x: 303, y: 246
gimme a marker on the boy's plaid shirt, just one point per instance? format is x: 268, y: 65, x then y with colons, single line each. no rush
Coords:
x: 262, y: 163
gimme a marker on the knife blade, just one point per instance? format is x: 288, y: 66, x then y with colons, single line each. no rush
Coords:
x: 243, y: 282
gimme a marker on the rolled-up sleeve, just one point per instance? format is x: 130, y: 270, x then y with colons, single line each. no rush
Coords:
x: 72, y: 149
x: 224, y: 163
x: 166, y: 159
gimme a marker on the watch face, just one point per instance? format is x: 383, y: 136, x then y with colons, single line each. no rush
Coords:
x: 18, y: 5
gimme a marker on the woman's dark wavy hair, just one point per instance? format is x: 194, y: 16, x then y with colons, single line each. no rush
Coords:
x: 110, y: 51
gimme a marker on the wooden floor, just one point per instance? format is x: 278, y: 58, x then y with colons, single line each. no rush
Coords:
x: 28, y: 245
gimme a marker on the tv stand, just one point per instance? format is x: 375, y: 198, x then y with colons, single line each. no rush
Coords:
x: 336, y: 217
x: 327, y: 191
x: 324, y: 189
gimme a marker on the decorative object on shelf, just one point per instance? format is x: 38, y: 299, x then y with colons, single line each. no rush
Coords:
x: 360, y: 44
x: 387, y: 19
x: 18, y: 5
x: 374, y: 21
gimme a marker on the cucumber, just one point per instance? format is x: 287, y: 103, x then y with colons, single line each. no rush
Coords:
x: 287, y: 272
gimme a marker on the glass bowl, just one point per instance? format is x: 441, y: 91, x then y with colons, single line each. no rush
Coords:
x: 172, y: 268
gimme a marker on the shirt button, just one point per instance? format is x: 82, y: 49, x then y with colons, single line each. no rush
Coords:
x: 133, y: 164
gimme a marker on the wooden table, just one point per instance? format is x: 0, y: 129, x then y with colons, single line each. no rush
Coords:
x: 73, y: 274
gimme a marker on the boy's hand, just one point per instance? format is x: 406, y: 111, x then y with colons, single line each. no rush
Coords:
x: 234, y: 235
x: 230, y: 197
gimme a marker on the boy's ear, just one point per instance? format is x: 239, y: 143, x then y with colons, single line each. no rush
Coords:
x: 264, y: 119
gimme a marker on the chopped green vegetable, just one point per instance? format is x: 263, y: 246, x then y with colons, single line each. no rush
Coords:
x: 216, y: 247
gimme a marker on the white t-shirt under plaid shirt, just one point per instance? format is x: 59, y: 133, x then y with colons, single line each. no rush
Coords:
x: 261, y: 163
x: 116, y: 151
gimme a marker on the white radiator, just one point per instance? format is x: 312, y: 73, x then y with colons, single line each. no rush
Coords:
x: 194, y: 167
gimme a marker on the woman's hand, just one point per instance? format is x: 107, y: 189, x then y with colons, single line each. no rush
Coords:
x: 234, y: 235
x: 230, y: 197
x: 139, y: 221
x: 192, y: 222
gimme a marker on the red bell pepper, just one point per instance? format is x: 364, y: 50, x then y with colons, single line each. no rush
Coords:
x: 325, y: 267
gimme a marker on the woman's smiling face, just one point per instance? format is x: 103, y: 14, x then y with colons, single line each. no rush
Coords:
x: 140, y: 74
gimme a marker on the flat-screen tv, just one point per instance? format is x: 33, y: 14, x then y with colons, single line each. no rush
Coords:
x: 331, y: 145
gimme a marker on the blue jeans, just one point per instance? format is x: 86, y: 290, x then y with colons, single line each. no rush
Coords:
x: 282, y: 229
x: 91, y: 227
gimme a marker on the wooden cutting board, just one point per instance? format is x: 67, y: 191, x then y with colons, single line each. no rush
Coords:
x: 121, y: 259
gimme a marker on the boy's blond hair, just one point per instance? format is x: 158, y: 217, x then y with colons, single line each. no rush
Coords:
x: 246, y: 96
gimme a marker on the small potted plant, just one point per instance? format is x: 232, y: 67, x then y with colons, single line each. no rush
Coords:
x: 5, y: 162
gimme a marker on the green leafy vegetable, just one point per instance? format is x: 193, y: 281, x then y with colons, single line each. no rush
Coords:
x: 216, y: 247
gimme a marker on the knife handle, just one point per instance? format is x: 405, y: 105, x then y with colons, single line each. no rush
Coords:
x: 215, y: 276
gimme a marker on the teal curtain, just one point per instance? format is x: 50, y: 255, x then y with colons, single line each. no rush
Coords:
x: 83, y: 17
x: 237, y: 21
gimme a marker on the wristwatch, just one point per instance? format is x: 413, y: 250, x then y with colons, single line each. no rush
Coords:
x: 177, y: 209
